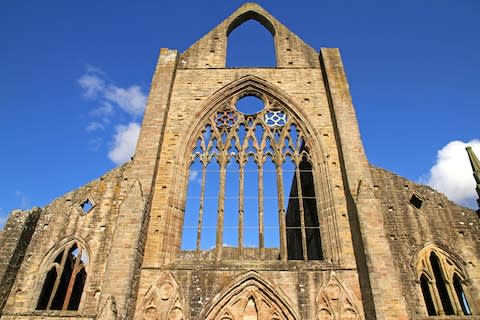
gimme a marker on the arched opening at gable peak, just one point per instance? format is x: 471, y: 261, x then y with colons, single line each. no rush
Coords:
x: 251, y: 42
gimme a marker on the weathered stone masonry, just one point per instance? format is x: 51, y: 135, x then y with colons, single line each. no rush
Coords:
x: 351, y: 241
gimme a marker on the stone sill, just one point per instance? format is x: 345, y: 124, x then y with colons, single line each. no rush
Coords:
x: 261, y: 265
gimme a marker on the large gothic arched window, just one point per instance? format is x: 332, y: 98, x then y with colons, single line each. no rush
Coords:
x: 251, y: 189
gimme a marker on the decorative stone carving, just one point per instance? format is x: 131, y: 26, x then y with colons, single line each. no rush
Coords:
x: 335, y: 302
x: 250, y: 297
x: 163, y: 300
x: 276, y: 118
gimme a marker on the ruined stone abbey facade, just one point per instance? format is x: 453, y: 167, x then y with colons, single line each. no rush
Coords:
x: 228, y: 212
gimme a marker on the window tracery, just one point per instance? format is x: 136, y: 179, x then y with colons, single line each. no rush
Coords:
x: 442, y: 284
x: 65, y: 279
x: 250, y: 297
x: 251, y: 187
x: 163, y: 300
x: 334, y: 301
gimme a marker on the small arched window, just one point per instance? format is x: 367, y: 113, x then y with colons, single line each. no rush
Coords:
x: 441, y: 284
x: 251, y: 189
x: 64, y: 279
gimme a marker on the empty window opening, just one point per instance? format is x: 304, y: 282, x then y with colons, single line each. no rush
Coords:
x: 303, y: 237
x: 64, y: 282
x: 416, y: 201
x: 441, y: 287
x: 249, y: 105
x: 251, y: 190
x: 86, y: 206
x: 462, y: 299
x: 427, y: 296
x: 250, y: 45
x: 442, y: 297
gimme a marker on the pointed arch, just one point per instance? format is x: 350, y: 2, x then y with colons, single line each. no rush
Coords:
x: 62, y: 276
x: 250, y: 41
x: 163, y: 300
x: 421, y: 260
x: 443, y: 281
x: 251, y: 15
x: 245, y: 86
x: 250, y: 292
x: 221, y: 134
x: 335, y: 301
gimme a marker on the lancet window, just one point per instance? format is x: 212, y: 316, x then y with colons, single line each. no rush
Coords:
x: 65, y: 279
x: 442, y: 285
x: 251, y: 188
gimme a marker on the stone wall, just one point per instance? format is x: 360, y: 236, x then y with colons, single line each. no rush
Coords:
x: 416, y: 216
x: 374, y: 225
x: 312, y: 86
x: 60, y: 222
x: 14, y: 241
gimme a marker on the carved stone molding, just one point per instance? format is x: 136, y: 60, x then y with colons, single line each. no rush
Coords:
x: 335, y: 302
x: 250, y: 297
x: 163, y: 301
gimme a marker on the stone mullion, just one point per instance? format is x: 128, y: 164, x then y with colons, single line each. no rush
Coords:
x: 301, y: 207
x: 454, y: 298
x: 55, y: 285
x: 202, y: 202
x: 76, y: 268
x: 221, y: 203
x: 279, y: 159
x: 448, y: 280
x: 281, y: 209
x: 58, y: 277
x: 261, y: 236
x: 437, y: 301
x: 241, y: 204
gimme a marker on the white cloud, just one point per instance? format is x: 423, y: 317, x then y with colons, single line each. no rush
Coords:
x: 104, y: 110
x: 92, y: 85
x: 24, y: 200
x: 193, y: 176
x: 94, y: 126
x: 95, y: 143
x: 93, y: 69
x: 452, y: 173
x: 125, y: 141
x: 131, y: 100
x: 3, y: 220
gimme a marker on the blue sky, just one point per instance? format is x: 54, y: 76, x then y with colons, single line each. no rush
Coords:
x: 74, y: 78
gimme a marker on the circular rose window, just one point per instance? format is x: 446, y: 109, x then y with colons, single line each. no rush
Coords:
x: 250, y: 105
